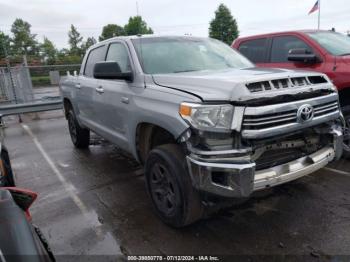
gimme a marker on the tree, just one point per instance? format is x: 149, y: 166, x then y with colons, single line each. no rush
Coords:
x: 48, y: 51
x: 223, y: 26
x: 64, y: 57
x: 137, y: 26
x: 89, y: 42
x: 4, y: 43
x: 75, y: 41
x: 23, y: 41
x: 111, y: 30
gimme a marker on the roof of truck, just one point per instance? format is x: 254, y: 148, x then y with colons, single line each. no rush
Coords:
x: 129, y: 37
x: 281, y: 33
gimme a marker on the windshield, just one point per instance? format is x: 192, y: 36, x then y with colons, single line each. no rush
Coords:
x: 164, y: 55
x: 335, y: 43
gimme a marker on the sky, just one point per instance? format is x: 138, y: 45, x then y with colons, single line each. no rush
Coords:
x: 52, y: 18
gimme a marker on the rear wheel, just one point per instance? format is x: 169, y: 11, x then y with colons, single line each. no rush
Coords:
x: 80, y: 136
x: 169, y: 185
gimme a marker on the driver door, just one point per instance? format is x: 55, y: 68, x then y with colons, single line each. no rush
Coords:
x: 280, y: 47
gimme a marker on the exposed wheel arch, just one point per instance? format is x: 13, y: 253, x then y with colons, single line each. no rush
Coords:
x: 67, y: 104
x: 344, y: 98
x: 149, y: 136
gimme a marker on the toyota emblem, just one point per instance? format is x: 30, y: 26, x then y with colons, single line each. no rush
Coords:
x: 305, y: 113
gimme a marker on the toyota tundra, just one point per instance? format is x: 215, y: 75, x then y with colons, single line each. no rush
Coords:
x: 207, y: 125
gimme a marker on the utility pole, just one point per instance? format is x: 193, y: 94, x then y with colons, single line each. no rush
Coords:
x: 137, y: 8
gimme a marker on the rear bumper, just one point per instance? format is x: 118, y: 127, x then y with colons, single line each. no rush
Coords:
x: 240, y: 179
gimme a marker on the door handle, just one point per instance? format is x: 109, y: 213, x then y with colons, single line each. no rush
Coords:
x: 125, y: 100
x: 99, y: 89
x: 78, y: 85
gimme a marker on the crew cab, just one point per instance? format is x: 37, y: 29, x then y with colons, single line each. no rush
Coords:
x: 208, y: 126
x: 322, y: 51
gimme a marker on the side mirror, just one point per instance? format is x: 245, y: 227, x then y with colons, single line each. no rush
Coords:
x: 111, y: 70
x: 302, y: 55
x: 23, y: 198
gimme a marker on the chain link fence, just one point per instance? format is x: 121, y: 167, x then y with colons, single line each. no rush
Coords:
x: 34, y: 88
x: 15, y: 86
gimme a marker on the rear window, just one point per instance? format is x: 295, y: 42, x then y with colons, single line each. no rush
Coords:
x: 255, y: 50
x: 95, y: 55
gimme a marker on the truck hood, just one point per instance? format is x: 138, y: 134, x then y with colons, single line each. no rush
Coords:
x: 229, y: 85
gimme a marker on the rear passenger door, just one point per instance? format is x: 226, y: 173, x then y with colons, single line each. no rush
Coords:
x: 112, y: 102
x: 256, y: 50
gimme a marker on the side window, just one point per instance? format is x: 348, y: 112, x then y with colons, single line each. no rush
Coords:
x: 95, y: 55
x: 117, y: 52
x: 254, y: 50
x: 281, y: 45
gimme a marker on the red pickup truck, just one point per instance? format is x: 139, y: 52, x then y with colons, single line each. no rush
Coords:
x: 316, y: 50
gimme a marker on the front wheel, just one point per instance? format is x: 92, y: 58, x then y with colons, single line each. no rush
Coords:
x: 346, y: 144
x: 80, y: 136
x: 169, y: 185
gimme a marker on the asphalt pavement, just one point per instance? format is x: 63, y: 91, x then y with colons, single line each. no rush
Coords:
x: 94, y: 202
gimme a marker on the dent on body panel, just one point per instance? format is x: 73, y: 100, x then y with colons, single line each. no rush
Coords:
x: 159, y: 108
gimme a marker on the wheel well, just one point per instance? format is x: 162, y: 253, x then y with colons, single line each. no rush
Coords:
x: 344, y: 97
x: 149, y: 136
x: 66, y: 106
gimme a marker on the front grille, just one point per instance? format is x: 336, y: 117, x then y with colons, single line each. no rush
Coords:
x: 273, y: 158
x: 285, y: 83
x: 269, y: 120
x: 284, y: 116
x: 323, y: 109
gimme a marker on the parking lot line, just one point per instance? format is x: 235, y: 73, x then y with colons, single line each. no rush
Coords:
x: 68, y: 186
x: 337, y: 171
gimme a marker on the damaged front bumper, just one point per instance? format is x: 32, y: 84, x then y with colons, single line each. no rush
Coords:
x: 239, y: 177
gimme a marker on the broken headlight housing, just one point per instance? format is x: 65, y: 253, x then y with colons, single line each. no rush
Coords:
x: 206, y: 117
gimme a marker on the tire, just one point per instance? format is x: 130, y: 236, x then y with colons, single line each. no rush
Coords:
x: 7, y: 169
x: 80, y: 136
x: 346, y: 144
x: 174, y: 199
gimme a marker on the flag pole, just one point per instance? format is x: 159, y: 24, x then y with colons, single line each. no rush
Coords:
x: 319, y: 14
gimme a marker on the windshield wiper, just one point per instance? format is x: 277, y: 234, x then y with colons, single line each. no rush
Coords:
x: 345, y: 54
x: 184, y: 71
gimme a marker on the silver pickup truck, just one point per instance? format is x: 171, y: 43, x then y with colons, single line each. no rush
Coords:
x: 207, y: 125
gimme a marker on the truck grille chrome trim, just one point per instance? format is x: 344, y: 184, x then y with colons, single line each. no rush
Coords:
x: 285, y: 83
x: 266, y: 121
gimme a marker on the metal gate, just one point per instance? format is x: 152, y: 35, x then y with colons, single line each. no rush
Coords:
x: 17, y: 96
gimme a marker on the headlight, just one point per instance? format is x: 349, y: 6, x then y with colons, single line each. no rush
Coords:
x: 208, y: 117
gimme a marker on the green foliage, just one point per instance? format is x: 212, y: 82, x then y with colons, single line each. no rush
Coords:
x: 111, y: 30
x: 48, y: 52
x: 4, y: 43
x: 41, y: 80
x: 64, y: 57
x: 89, y: 42
x: 223, y: 27
x: 75, y: 40
x: 23, y: 41
x: 137, y: 26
